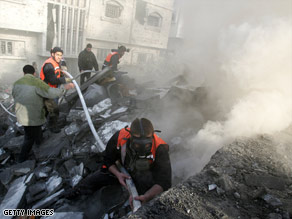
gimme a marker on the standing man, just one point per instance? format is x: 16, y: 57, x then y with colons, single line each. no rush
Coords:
x: 86, y: 61
x: 51, y: 73
x: 29, y: 93
x: 112, y: 59
x: 142, y: 153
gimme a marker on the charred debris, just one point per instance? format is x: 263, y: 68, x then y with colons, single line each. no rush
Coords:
x: 65, y: 158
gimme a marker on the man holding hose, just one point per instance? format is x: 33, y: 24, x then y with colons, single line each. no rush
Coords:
x: 143, y: 154
x: 51, y: 73
x: 29, y: 93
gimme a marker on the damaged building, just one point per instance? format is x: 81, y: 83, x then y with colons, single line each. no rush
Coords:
x: 30, y: 28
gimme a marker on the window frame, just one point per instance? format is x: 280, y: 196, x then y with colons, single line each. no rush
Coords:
x: 112, y: 14
x: 117, y: 19
x: 6, y: 47
x: 154, y: 15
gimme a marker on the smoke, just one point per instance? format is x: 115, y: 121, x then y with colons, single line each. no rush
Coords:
x: 243, y: 52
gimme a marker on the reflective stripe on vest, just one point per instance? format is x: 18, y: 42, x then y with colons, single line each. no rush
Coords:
x: 56, y: 67
x: 124, y: 136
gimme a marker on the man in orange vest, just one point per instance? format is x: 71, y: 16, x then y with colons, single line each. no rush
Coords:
x: 112, y: 59
x: 142, y: 153
x: 51, y: 73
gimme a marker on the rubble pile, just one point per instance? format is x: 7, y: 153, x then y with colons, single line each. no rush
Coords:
x: 249, y: 178
x: 65, y: 158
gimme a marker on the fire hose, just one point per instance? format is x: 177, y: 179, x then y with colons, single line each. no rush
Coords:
x: 98, y: 140
x: 7, y: 110
x: 130, y: 184
x: 74, y: 78
x: 131, y: 187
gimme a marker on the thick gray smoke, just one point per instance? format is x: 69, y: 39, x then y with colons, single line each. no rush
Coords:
x: 241, y: 51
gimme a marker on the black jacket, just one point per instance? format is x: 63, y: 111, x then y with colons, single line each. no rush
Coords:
x: 87, y: 61
x: 50, y: 76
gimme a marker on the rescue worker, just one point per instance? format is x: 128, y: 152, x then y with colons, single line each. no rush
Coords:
x: 112, y: 59
x: 28, y: 93
x: 142, y: 153
x: 86, y: 61
x: 51, y: 73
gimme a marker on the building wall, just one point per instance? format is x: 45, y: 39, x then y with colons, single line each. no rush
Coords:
x: 150, y: 36
x: 175, y: 40
x: 24, y: 51
x: 26, y: 15
x: 130, y: 29
x: 23, y: 25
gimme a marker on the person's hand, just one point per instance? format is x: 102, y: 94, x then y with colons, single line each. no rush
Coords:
x: 122, y: 177
x: 141, y: 198
x: 68, y: 80
x: 69, y: 86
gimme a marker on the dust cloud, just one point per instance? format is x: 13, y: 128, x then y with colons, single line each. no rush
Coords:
x: 241, y: 53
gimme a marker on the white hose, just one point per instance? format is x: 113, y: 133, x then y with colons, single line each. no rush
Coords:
x: 98, y: 140
x: 131, y: 188
x: 11, y: 114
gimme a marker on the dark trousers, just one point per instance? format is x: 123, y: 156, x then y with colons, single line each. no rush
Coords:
x: 32, y: 134
x: 95, y: 181
x: 83, y: 76
x: 142, y: 180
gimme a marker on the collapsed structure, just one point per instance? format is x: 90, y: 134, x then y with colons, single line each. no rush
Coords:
x: 65, y: 158
x: 246, y: 179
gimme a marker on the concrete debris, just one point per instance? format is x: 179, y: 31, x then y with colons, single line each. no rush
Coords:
x: 219, y: 191
x: 42, y: 171
x: 102, y: 106
x: 120, y: 110
x: 75, y: 180
x: 251, y: 179
x: 6, y: 159
x: 2, y: 151
x: 212, y: 187
x: 23, y: 168
x: 267, y: 181
x: 53, y: 184
x: 72, y: 129
x: 6, y: 176
x: 74, y: 115
x: 274, y: 216
x: 37, y: 188
x: 51, y: 148
x: 33, y: 198
x: 108, y: 129
x: 48, y: 201
x: 271, y: 200
x: 106, y: 114
x: 14, y: 144
x: 14, y: 197
x: 94, y: 94
x: 236, y: 195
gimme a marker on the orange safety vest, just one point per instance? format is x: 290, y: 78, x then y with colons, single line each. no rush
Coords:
x: 56, y: 67
x: 108, y: 58
x: 124, y: 135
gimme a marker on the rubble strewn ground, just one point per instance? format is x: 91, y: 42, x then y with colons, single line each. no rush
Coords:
x: 250, y: 178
